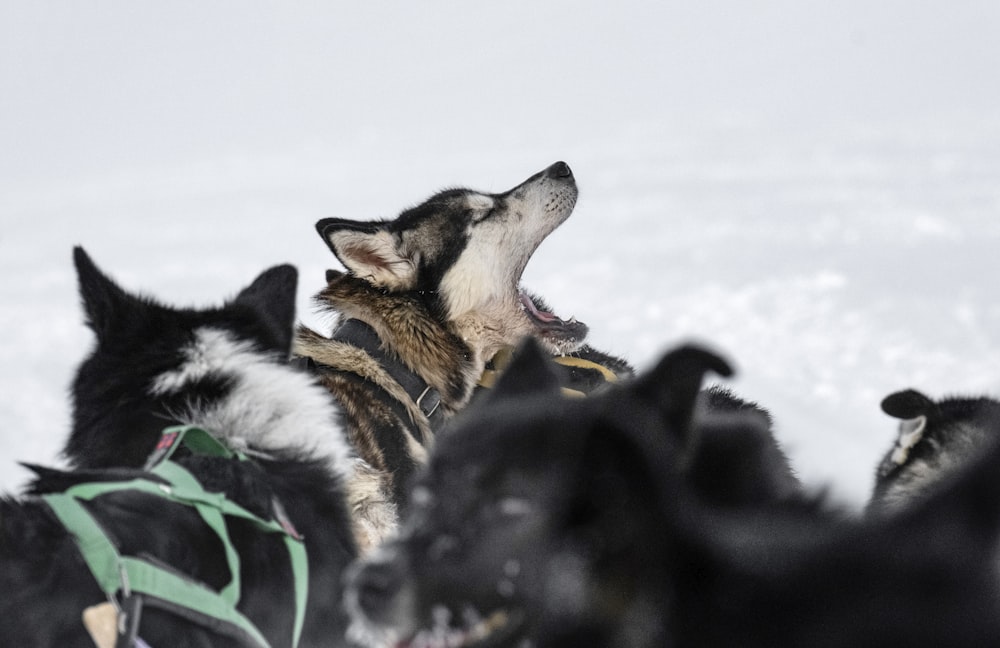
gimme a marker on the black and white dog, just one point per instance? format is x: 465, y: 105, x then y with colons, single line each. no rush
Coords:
x: 224, y: 369
x: 935, y: 441
x: 635, y: 518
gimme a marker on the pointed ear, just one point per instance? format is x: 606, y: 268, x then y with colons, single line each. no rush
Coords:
x: 530, y: 371
x: 370, y: 252
x: 675, y: 381
x: 907, y: 404
x: 104, y: 303
x: 626, y: 484
x: 911, y: 432
x: 272, y: 297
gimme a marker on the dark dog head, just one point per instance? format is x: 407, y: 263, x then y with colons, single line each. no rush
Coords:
x: 222, y: 368
x: 935, y: 440
x: 463, y: 252
x: 530, y: 510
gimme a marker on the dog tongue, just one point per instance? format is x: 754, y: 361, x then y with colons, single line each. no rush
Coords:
x: 563, y: 335
x: 540, y: 315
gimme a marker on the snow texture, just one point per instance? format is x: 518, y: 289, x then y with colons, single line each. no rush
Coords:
x: 811, y: 188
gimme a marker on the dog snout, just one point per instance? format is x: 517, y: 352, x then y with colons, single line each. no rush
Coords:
x: 375, y: 586
x: 559, y: 171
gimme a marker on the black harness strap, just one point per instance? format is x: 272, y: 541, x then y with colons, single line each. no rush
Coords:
x: 363, y: 336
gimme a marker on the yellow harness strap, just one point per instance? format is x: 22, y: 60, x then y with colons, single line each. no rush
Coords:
x: 503, y: 357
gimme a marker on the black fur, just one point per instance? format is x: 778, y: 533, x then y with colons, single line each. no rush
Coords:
x: 941, y: 437
x: 907, y: 404
x: 486, y: 523
x: 621, y: 538
x: 48, y: 586
x: 736, y: 461
x: 117, y: 420
x: 137, y: 339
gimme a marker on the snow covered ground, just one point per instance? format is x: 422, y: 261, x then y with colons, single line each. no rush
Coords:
x: 814, y: 191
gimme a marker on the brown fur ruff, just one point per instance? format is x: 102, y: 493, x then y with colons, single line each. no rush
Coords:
x: 411, y: 331
x: 390, y: 448
x: 342, y: 356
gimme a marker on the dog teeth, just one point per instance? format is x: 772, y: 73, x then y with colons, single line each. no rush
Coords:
x: 446, y: 637
x: 489, y: 625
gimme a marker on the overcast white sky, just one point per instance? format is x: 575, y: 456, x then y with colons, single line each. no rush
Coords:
x: 94, y: 86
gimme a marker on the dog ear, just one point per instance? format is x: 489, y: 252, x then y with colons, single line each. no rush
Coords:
x: 530, y: 371
x: 620, y: 498
x: 912, y: 408
x: 674, y: 383
x: 370, y: 252
x: 104, y: 302
x: 907, y: 404
x: 272, y: 297
x: 737, y: 463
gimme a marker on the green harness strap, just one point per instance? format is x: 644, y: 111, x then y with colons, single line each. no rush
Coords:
x: 112, y: 571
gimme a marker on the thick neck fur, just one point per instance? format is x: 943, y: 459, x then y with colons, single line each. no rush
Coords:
x: 490, y: 331
x: 407, y: 326
x: 269, y: 405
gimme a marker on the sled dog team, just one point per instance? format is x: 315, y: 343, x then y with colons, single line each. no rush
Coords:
x: 453, y: 466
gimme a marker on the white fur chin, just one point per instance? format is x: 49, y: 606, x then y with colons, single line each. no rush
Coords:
x: 270, y: 406
x: 477, y: 281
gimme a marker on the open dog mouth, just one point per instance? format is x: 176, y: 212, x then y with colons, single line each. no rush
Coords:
x: 477, y: 632
x: 564, y: 335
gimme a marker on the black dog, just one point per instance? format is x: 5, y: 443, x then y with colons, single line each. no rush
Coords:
x: 597, y: 522
x: 529, y: 513
x: 224, y: 369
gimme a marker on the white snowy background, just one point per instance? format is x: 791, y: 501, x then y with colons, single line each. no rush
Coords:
x: 811, y: 187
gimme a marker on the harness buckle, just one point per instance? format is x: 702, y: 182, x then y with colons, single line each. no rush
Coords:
x: 419, y: 401
x: 128, y: 623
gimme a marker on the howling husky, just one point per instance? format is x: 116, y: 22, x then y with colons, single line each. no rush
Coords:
x: 427, y: 300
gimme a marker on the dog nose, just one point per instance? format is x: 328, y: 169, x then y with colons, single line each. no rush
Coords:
x: 374, y: 586
x: 559, y: 170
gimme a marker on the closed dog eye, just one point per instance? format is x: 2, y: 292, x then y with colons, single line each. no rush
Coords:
x: 481, y: 206
x: 481, y: 215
